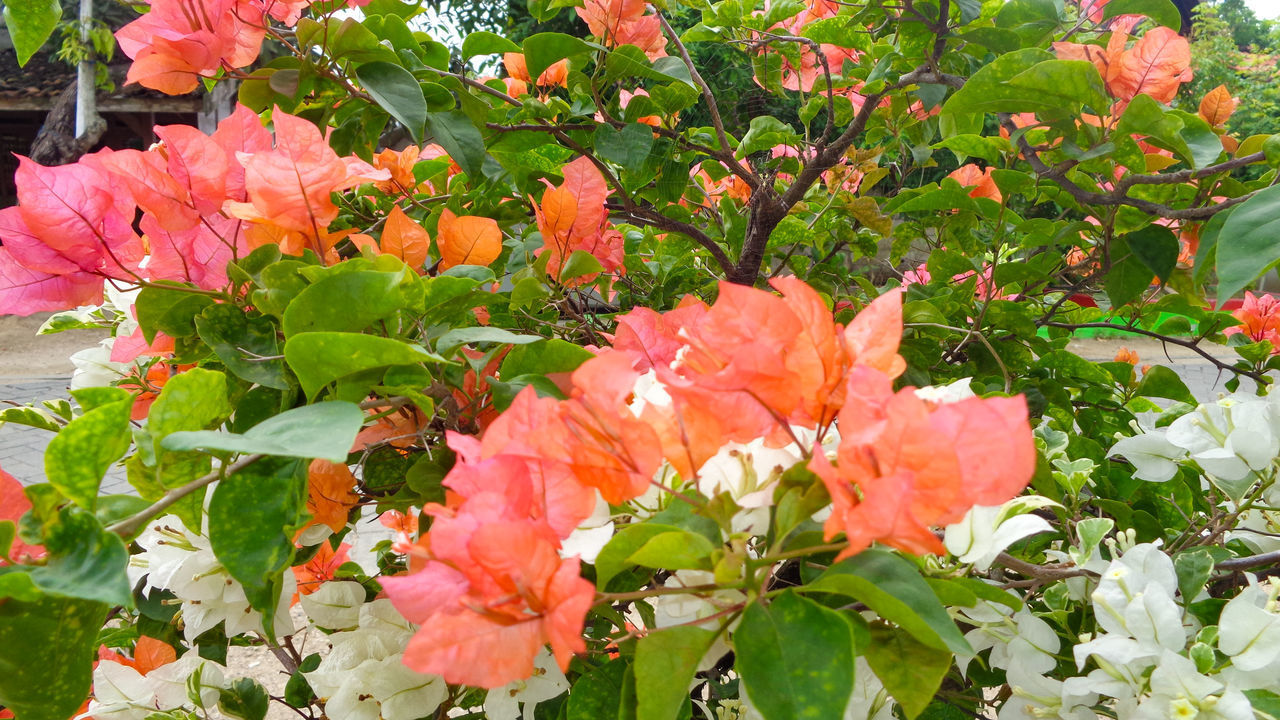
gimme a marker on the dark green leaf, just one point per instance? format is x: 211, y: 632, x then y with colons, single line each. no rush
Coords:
x: 245, y: 343
x: 252, y: 519
x: 245, y: 699
x: 893, y: 588
x: 397, y: 92
x: 597, y: 695
x: 47, y: 649
x: 1157, y: 248
x: 795, y: 658
x: 911, y: 671
x: 460, y: 138
x: 481, y: 42
x: 1129, y: 277
x: 613, y: 557
x: 665, y: 663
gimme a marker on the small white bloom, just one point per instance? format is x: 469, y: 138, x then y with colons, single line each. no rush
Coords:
x: 335, y: 605
x: 986, y: 531
x: 547, y: 682
x: 949, y: 393
x: 1153, y: 457
x: 1248, y: 632
x: 589, y: 538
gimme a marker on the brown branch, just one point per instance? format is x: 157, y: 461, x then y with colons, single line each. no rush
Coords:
x: 1191, y: 345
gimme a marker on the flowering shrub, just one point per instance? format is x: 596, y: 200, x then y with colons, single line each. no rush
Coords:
x: 655, y: 429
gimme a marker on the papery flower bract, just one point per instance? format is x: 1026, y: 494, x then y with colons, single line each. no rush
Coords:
x: 1259, y: 318
x: 177, y: 42
x: 467, y: 240
x: 623, y: 22
x: 13, y: 505
x: 572, y: 216
x: 978, y: 179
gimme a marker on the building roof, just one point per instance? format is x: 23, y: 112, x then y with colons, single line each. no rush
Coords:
x: 37, y: 85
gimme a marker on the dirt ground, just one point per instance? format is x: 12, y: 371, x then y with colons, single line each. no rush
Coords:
x: 24, y: 354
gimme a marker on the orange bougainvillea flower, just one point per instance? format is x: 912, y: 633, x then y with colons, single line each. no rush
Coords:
x: 177, y: 42
x: 467, y: 240
x: 1157, y: 64
x: 1217, y: 106
x: 572, y: 216
x: 556, y: 74
x: 400, y: 165
x: 330, y: 494
x: 290, y: 186
x: 624, y: 22
x: 13, y: 505
x: 1125, y: 355
x: 405, y: 239
x: 148, y: 654
x: 978, y: 180
x: 320, y: 569
x: 904, y: 464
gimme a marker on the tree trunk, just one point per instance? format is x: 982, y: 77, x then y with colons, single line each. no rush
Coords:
x: 56, y: 143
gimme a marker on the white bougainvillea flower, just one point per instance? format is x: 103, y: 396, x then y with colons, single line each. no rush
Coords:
x: 986, y: 531
x: 1249, y: 628
x: 1153, y: 457
x: 949, y: 393
x: 589, y: 538
x: 1022, y: 639
x: 1036, y: 697
x: 120, y: 692
x: 749, y: 472
x: 1178, y: 692
x: 335, y: 605
x: 870, y: 701
x: 94, y: 367
x: 363, y: 676
x: 547, y: 682
x: 181, y: 561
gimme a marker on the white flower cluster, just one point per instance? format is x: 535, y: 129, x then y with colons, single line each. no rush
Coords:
x: 120, y: 692
x: 1234, y: 440
x: 1151, y: 659
x: 363, y: 677
x: 181, y: 561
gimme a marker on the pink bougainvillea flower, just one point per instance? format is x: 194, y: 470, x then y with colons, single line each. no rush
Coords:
x: 177, y: 42
x: 13, y: 505
x: 1259, y: 318
x: 1156, y: 65
x: 977, y: 180
x: 624, y: 22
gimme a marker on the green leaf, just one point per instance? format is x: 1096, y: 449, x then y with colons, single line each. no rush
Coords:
x: 453, y: 339
x: 630, y: 61
x: 319, y: 358
x: 544, y: 357
x: 665, y: 663
x: 613, y: 558
x: 766, y: 132
x: 795, y: 658
x: 911, y: 671
x: 1156, y: 247
x: 84, y: 562
x: 1187, y: 135
x: 30, y: 23
x: 580, y: 264
x: 1162, y: 12
x: 162, y: 309
x: 245, y: 343
x: 1253, y: 242
x: 1161, y: 382
x: 893, y: 588
x: 482, y: 42
x: 597, y: 695
x: 1030, y: 80
x: 1193, y: 568
x: 1128, y: 277
x: 675, y: 550
x: 396, y: 91
x: 79, y: 456
x: 252, y: 519
x: 325, y: 431
x: 543, y: 50
x: 629, y: 148
x: 460, y: 138
x: 47, y: 649
x: 245, y: 699
x: 345, y: 302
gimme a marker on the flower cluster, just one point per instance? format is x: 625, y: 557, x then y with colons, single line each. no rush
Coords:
x: 723, y: 399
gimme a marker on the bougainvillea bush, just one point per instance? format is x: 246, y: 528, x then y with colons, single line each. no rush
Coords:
x: 661, y: 422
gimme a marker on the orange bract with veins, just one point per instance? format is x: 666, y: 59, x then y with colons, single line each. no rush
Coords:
x: 467, y: 240
x: 405, y: 239
x: 1157, y: 64
x: 1217, y: 106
